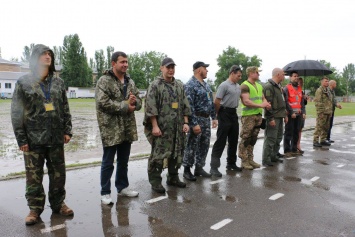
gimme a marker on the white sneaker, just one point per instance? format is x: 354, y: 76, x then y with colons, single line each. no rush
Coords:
x: 106, y: 199
x: 128, y: 193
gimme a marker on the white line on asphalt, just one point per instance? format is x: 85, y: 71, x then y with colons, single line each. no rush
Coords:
x: 217, y: 181
x: 276, y: 196
x: 221, y: 224
x: 290, y: 158
x: 339, y: 166
x: 50, y: 229
x: 156, y: 199
x: 315, y: 178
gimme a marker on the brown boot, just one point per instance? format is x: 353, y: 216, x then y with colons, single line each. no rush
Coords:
x: 65, y: 210
x: 246, y: 165
x: 254, y: 164
x: 32, y: 218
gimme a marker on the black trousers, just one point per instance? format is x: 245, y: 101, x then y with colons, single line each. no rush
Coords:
x: 292, y: 128
x: 330, y: 126
x: 228, y: 128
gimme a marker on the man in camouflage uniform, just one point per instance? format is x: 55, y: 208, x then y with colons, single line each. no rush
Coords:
x: 117, y: 98
x: 42, y: 125
x: 323, y: 101
x: 274, y: 116
x: 166, y: 124
x: 253, y: 102
x: 332, y: 86
x: 200, y: 97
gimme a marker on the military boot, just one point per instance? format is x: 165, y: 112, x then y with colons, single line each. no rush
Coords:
x: 253, y: 163
x: 199, y: 171
x: 215, y: 172
x: 32, y: 218
x: 188, y: 175
x: 246, y: 165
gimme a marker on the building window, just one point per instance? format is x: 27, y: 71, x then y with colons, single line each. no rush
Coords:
x: 8, y: 85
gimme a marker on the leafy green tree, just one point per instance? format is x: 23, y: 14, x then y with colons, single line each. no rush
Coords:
x: 144, y: 67
x: 100, y: 62
x: 349, y: 78
x: 312, y: 83
x: 210, y: 82
x: 232, y: 56
x: 27, y: 50
x: 76, y: 71
x: 109, y: 51
x: 58, y: 54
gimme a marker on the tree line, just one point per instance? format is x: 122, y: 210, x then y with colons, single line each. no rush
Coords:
x: 143, y: 67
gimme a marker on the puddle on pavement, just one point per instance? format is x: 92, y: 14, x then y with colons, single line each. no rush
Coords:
x: 292, y: 179
x: 321, y: 185
x: 322, y: 162
x: 229, y: 198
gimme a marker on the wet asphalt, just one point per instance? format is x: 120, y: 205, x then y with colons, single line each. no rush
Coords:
x: 316, y: 198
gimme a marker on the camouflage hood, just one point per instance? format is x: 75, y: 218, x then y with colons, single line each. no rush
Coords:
x: 37, y: 50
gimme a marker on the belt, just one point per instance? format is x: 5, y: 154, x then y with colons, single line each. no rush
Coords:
x: 201, y: 114
x: 231, y: 110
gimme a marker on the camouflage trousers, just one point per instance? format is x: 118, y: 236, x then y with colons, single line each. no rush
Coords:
x: 34, y: 162
x: 197, y: 146
x: 249, y: 136
x: 322, y: 127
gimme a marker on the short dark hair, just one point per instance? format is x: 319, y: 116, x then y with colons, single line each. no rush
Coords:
x: 324, y: 77
x: 234, y: 69
x: 115, y: 55
x: 291, y: 73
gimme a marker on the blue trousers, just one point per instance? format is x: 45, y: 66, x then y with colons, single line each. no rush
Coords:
x: 123, y: 151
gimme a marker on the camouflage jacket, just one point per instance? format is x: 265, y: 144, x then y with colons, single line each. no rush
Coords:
x: 160, y: 97
x: 200, y: 98
x: 32, y: 124
x: 274, y: 95
x: 115, y: 123
x: 323, y: 100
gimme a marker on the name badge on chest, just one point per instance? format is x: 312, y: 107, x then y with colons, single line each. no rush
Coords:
x: 49, y: 106
x: 175, y: 105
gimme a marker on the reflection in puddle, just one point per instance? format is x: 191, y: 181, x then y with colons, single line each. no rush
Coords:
x: 292, y: 179
x: 229, y: 198
x: 323, y: 162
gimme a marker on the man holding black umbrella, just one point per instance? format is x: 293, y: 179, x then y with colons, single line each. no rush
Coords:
x: 324, y: 106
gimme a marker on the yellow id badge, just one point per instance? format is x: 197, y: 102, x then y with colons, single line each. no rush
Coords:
x: 49, y: 106
x: 175, y: 105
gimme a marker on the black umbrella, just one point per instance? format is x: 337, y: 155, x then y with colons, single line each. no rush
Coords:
x: 307, y: 68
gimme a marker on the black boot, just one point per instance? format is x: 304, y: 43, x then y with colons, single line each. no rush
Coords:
x: 233, y: 166
x: 215, y: 172
x: 188, y: 175
x: 199, y: 171
x: 176, y: 182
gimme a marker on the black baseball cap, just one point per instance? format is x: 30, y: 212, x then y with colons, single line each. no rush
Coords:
x: 199, y: 64
x: 167, y: 61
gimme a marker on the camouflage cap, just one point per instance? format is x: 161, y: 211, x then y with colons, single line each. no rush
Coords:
x: 252, y: 69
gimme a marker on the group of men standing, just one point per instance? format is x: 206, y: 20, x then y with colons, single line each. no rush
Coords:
x: 177, y: 124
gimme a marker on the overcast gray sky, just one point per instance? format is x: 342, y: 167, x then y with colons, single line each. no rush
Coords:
x: 277, y: 31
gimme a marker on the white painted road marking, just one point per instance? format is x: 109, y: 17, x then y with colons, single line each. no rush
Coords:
x: 315, y: 178
x: 339, y: 166
x: 156, y: 199
x: 217, y: 181
x: 221, y: 224
x: 290, y: 158
x: 276, y: 196
x: 50, y: 229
